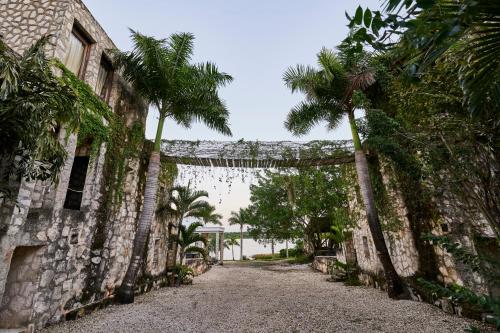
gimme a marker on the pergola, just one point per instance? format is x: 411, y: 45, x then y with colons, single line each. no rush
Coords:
x: 258, y: 154
x: 254, y: 154
x: 219, y: 239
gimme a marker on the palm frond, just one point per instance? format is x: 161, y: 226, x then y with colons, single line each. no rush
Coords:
x: 301, y: 78
x: 196, y: 249
x: 181, y: 46
x: 306, y: 115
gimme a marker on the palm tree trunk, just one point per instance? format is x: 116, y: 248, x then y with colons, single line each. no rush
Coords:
x: 232, y: 249
x: 272, y: 246
x: 395, y: 287
x: 126, y: 291
x: 181, y: 256
x: 176, y: 244
x: 241, y: 242
x: 286, y: 244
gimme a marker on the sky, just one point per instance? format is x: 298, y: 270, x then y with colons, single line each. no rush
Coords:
x: 254, y: 41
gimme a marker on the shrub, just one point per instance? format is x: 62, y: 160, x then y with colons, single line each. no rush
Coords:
x: 297, y: 251
x: 183, y: 273
x: 265, y: 257
x: 300, y: 259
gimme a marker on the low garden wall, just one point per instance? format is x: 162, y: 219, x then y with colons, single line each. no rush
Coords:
x: 324, y: 263
x: 198, y: 265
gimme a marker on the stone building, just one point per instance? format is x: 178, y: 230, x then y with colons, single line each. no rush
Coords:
x: 407, y: 249
x: 62, y: 248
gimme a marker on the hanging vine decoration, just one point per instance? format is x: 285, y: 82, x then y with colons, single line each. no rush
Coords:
x: 255, y: 154
x: 245, y: 159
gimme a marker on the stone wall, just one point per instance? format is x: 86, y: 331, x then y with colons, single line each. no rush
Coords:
x: 324, y: 264
x: 198, y: 265
x: 74, y: 257
x: 401, y: 240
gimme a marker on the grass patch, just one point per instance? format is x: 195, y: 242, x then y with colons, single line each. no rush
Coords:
x: 300, y: 260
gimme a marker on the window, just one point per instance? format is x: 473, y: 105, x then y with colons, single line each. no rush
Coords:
x: 366, y: 248
x: 74, y: 195
x: 77, y: 52
x: 104, y: 79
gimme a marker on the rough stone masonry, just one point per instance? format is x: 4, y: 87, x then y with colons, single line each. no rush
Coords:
x: 57, y: 254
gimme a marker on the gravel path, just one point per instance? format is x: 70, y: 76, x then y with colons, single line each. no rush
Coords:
x: 266, y: 298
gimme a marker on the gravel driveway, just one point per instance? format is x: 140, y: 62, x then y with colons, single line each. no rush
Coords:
x: 266, y: 298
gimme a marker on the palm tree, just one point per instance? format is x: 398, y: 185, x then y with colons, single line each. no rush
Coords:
x: 162, y: 74
x: 239, y: 218
x: 329, y: 95
x: 232, y: 241
x: 208, y: 215
x: 188, y: 236
x: 183, y: 202
x: 34, y: 103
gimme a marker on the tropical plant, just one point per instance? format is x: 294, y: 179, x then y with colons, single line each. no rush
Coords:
x: 161, y: 72
x: 232, y: 241
x: 427, y: 30
x: 332, y: 92
x: 183, y: 274
x: 34, y: 105
x: 208, y: 215
x: 463, y: 295
x: 286, y: 206
x: 187, y: 236
x: 239, y: 218
x: 184, y: 202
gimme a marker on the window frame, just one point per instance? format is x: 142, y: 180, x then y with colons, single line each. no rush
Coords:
x: 108, y: 82
x: 79, y: 32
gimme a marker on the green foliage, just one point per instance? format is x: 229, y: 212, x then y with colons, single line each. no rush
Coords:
x: 187, y: 236
x: 462, y: 295
x: 239, y: 218
x: 232, y: 241
x: 34, y: 105
x: 297, y: 251
x: 345, y: 272
x: 265, y: 257
x: 96, y: 115
x: 100, y: 125
x: 282, y: 205
x: 431, y: 28
x: 183, y: 273
x: 160, y: 70
x: 474, y: 263
x: 427, y: 134
x: 488, y: 267
x: 300, y: 260
x: 183, y: 202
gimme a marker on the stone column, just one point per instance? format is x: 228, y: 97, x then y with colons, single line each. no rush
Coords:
x: 222, y: 248
x: 217, y: 245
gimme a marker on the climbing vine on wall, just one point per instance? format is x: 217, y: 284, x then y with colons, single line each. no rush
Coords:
x: 95, y: 115
x: 100, y: 125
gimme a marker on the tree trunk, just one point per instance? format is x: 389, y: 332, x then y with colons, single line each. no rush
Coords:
x: 395, y: 287
x: 232, y: 250
x: 241, y: 242
x: 272, y: 246
x: 126, y: 291
x: 176, y: 244
x: 286, y: 244
x: 181, y: 256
